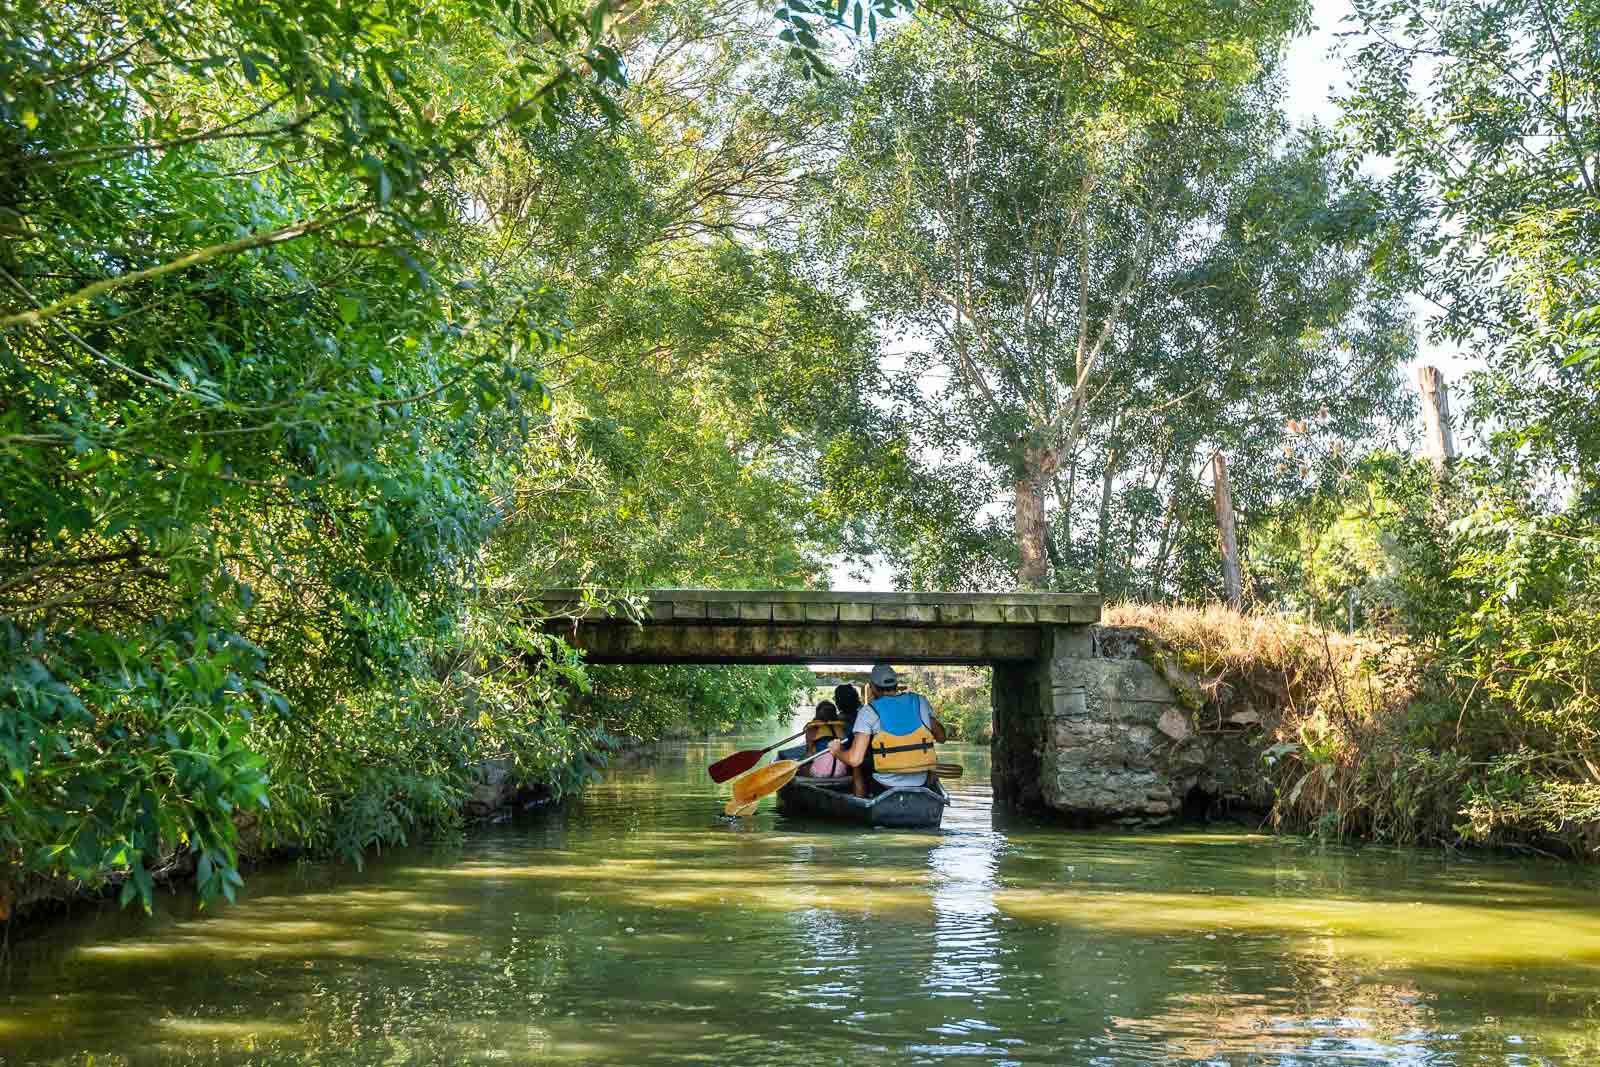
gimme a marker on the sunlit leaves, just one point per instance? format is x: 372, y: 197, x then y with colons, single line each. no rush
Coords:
x: 1490, y: 116
x: 249, y: 456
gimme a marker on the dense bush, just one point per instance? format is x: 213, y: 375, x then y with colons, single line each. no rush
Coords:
x: 1480, y: 617
x: 278, y: 450
x: 960, y: 697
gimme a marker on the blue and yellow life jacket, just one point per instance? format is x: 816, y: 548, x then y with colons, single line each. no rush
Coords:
x: 826, y: 730
x: 902, y: 745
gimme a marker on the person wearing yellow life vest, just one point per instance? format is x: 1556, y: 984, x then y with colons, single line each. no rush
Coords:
x: 826, y: 726
x: 898, y: 729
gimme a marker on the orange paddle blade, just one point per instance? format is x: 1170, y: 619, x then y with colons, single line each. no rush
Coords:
x: 733, y: 766
x: 738, y: 810
x: 769, y: 779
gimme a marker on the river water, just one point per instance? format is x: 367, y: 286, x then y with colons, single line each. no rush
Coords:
x: 639, y: 926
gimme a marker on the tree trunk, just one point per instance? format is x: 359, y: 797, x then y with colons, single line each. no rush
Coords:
x: 1232, y: 581
x: 1035, y: 568
x: 1436, y: 416
x: 1168, y: 527
x: 1107, y: 482
x: 1137, y: 528
x: 1039, y: 466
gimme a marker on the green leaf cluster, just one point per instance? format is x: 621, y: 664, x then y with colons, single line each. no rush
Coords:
x: 288, y: 295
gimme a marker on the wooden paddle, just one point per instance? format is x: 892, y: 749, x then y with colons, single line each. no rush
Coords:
x: 736, y: 764
x: 738, y: 810
x: 769, y: 779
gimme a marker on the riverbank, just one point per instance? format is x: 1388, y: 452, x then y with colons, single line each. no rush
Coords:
x: 491, y: 793
x: 32, y: 901
x: 1364, y: 739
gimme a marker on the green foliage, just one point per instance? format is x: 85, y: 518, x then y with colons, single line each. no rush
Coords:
x: 1500, y: 608
x: 115, y: 748
x: 651, y: 701
x: 1489, y: 116
x: 960, y: 697
x: 1490, y: 113
x: 275, y: 379
x: 1101, y: 297
x: 253, y: 399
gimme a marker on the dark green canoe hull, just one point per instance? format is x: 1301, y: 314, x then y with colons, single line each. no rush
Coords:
x: 828, y: 798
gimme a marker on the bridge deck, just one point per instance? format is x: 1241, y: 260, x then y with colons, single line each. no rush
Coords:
x: 822, y: 626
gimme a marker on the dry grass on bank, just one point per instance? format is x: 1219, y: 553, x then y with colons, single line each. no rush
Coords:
x: 1335, y: 710
x: 1300, y: 659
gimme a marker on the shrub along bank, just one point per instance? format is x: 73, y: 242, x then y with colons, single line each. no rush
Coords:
x: 960, y: 695
x: 1367, y: 739
x: 390, y: 775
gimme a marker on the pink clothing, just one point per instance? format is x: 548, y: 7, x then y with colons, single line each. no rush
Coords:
x: 828, y: 765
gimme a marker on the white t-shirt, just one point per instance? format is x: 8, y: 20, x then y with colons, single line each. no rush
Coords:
x: 867, y: 722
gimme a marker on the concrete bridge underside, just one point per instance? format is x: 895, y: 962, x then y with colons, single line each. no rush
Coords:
x: 808, y: 626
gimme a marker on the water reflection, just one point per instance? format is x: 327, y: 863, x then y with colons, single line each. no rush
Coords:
x: 638, y: 927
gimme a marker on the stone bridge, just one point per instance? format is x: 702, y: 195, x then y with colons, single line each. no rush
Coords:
x: 1088, y: 722
x: 809, y: 626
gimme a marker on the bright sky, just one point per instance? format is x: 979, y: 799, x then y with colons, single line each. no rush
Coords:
x: 1314, y: 77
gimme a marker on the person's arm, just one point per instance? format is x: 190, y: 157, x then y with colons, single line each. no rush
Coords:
x: 856, y: 753
x: 935, y: 727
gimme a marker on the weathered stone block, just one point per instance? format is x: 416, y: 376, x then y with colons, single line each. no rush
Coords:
x: 1119, y: 642
x: 986, y: 613
x: 750, y: 641
x: 1072, y: 642
x: 493, y: 788
x: 822, y: 612
x: 788, y: 612
x: 755, y: 612
x: 1112, y: 679
x: 686, y: 610
x: 1069, y: 702
x: 955, y: 613
x: 1175, y: 724
x: 849, y: 612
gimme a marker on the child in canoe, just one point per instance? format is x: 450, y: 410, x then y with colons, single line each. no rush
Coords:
x: 826, y: 726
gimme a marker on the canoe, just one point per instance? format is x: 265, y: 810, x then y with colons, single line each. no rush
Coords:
x: 830, y: 798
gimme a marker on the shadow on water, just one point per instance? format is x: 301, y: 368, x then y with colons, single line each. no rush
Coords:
x: 637, y: 926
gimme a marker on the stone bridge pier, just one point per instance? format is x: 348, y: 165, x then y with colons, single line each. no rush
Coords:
x: 1095, y: 731
x: 1087, y: 723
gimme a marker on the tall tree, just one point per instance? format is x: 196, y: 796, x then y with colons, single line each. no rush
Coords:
x: 1077, y: 284
x: 283, y: 291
